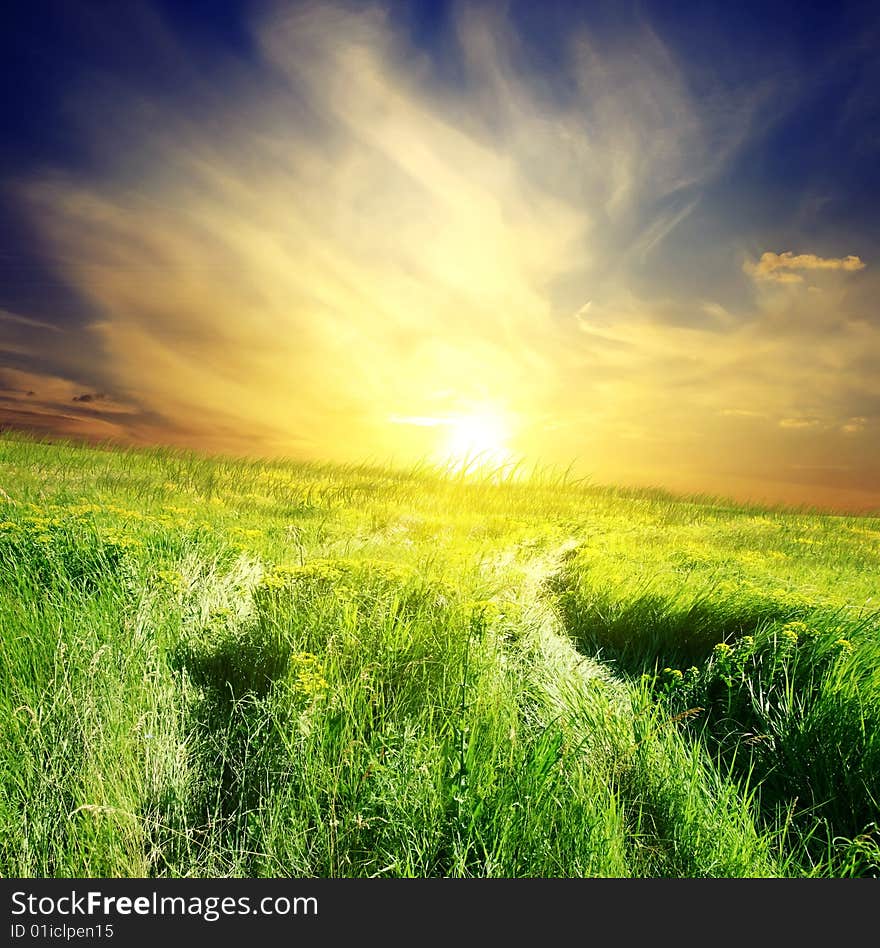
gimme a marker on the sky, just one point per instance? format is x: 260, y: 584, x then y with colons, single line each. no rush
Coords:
x: 637, y: 239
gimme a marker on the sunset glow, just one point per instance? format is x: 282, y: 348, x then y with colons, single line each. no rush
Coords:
x: 480, y: 440
x: 657, y: 254
x: 473, y: 441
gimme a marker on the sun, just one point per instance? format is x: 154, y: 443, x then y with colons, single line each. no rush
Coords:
x: 477, y: 440
x: 474, y: 441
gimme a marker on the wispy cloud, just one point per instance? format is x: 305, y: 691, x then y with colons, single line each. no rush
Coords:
x: 338, y: 250
x: 799, y: 423
x: 362, y: 237
x: 6, y: 316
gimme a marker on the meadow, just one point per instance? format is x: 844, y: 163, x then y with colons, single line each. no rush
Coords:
x: 227, y: 667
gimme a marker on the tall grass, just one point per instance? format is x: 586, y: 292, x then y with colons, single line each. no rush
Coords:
x: 215, y: 666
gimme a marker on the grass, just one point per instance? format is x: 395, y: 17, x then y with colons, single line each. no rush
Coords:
x: 222, y: 667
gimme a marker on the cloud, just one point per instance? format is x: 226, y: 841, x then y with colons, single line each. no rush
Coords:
x: 301, y: 264
x: 331, y: 250
x: 854, y: 425
x: 798, y: 423
x: 55, y: 390
x: 47, y: 403
x: 7, y: 316
x: 419, y: 420
x: 90, y: 397
x: 778, y: 267
x: 742, y: 413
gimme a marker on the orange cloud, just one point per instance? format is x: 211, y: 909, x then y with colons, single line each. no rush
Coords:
x: 778, y: 267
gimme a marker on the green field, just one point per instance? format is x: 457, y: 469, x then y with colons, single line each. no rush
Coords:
x: 219, y: 667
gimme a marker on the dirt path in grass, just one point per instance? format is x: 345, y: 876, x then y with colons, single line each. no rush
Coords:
x: 565, y: 680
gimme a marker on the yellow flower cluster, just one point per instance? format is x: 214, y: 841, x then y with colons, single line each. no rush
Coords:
x: 247, y: 533
x: 170, y: 578
x: 308, y: 677
x: 333, y: 571
x: 789, y: 636
x: 122, y: 541
x: 125, y: 512
x: 83, y: 510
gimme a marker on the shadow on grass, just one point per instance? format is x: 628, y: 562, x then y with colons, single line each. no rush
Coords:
x: 649, y: 630
x: 783, y: 695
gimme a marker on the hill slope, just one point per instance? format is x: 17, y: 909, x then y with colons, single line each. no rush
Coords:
x: 227, y: 667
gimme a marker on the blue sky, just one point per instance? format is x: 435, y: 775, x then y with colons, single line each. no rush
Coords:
x: 640, y: 237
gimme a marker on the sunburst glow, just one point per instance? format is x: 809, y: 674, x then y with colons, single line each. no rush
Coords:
x: 523, y: 231
x: 479, y: 439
